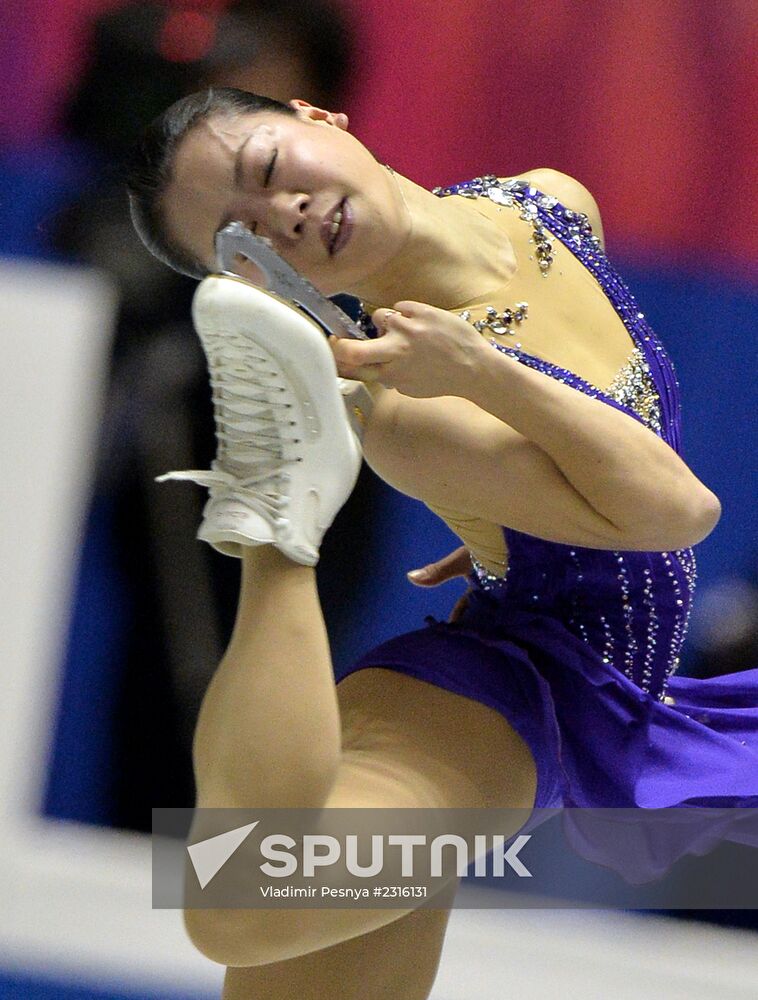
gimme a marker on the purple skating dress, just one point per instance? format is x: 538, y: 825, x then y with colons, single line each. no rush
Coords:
x: 578, y: 647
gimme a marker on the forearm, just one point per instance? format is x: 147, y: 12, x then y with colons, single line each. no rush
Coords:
x: 625, y: 472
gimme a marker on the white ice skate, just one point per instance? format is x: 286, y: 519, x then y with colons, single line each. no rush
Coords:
x: 287, y: 456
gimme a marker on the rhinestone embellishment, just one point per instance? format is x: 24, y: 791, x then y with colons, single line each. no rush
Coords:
x: 498, y: 323
x: 634, y: 388
x: 502, y: 193
x: 631, y: 608
x: 487, y: 580
x: 510, y: 193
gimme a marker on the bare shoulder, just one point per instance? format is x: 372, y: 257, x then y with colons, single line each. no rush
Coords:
x: 569, y: 192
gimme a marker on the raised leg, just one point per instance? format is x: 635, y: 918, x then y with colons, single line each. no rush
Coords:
x: 406, y: 743
x: 268, y: 732
x: 274, y: 732
x: 399, y: 960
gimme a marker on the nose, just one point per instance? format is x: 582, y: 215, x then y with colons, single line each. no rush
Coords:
x: 287, y: 213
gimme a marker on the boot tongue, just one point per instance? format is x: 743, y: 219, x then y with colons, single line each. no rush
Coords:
x: 252, y: 456
x: 252, y: 472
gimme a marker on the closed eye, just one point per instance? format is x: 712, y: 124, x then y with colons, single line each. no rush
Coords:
x: 253, y: 226
x: 270, y: 168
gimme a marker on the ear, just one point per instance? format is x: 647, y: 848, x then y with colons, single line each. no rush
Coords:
x: 311, y: 113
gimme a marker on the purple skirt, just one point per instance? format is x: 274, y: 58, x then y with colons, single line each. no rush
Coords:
x: 597, y: 739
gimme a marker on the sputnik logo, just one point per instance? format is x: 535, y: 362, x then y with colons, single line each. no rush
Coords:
x: 209, y: 856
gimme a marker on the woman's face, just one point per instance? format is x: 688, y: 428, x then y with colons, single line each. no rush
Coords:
x: 303, y: 181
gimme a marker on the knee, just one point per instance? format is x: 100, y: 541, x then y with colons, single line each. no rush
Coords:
x: 292, y: 785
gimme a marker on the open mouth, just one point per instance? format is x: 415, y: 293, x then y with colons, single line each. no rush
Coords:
x: 335, y: 231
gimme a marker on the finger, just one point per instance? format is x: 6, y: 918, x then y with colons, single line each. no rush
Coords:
x: 409, y: 308
x: 370, y: 373
x: 456, y: 563
x: 353, y: 353
x: 383, y: 317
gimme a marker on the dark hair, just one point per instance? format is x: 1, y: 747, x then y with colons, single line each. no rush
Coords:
x: 151, y: 165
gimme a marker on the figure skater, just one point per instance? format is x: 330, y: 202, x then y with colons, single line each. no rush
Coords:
x: 519, y: 392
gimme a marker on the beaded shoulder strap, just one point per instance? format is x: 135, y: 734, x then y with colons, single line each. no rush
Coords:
x: 573, y: 229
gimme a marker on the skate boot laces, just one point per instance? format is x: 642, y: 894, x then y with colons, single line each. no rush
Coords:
x: 256, y: 435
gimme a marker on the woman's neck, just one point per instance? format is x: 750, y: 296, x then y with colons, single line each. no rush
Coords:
x: 452, y: 254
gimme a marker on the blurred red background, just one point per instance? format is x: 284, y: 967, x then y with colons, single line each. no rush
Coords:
x: 650, y: 105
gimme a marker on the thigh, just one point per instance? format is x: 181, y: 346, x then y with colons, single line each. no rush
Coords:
x: 445, y: 749
x: 406, y: 744
x: 399, y: 960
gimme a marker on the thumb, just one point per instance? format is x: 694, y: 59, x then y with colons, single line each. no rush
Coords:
x: 456, y: 563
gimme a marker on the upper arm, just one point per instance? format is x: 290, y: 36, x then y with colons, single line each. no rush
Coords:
x: 448, y: 452
x: 569, y: 192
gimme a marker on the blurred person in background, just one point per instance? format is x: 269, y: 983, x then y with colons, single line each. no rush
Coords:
x: 546, y: 433
x: 147, y: 54
x: 171, y: 599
